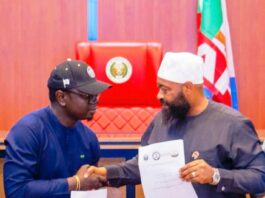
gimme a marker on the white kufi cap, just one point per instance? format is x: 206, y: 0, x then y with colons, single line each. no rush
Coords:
x: 181, y: 67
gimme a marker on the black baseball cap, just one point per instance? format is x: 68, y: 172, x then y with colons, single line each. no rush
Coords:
x: 73, y: 74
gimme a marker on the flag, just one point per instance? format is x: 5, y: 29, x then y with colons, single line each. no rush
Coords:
x: 214, y: 45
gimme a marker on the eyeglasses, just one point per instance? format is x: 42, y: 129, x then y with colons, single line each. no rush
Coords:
x: 90, y: 98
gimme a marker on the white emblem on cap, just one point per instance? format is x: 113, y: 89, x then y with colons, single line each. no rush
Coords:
x: 90, y: 72
x: 66, y: 82
x: 119, y: 70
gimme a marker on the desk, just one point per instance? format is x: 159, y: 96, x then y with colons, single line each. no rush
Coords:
x: 124, y: 148
x: 2, y: 146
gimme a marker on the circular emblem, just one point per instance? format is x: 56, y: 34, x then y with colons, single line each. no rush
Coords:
x: 195, y: 155
x: 119, y: 70
x: 156, y: 156
x: 90, y: 72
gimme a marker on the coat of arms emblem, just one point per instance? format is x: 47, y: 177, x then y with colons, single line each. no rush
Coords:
x: 119, y: 70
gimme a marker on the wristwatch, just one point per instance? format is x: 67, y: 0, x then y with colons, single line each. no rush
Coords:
x: 216, y: 177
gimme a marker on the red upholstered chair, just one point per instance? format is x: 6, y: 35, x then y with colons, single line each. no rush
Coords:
x: 127, y: 108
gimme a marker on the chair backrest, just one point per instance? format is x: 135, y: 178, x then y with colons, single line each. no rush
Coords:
x: 131, y: 68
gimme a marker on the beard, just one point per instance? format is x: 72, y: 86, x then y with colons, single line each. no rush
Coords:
x: 176, y: 110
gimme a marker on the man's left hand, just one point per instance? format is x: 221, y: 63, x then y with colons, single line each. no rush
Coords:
x: 197, y: 171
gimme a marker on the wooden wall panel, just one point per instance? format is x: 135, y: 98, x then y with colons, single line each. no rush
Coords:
x: 168, y: 21
x: 35, y: 35
x: 247, y: 26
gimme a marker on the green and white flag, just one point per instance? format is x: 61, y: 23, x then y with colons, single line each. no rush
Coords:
x: 214, y: 45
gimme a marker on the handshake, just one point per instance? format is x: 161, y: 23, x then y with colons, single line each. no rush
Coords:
x: 88, y: 178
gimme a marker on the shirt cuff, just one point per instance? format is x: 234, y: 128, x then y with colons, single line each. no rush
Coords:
x: 112, y: 172
x: 226, y: 182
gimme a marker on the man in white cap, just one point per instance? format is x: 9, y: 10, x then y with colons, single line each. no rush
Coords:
x: 222, y: 151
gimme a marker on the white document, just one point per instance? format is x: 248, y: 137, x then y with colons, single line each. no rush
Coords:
x: 159, y: 166
x: 101, y: 193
